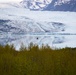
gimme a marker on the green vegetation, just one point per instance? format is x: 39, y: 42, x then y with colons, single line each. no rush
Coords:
x: 37, y: 61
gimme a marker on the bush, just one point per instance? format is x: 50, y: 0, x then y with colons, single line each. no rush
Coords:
x: 37, y: 61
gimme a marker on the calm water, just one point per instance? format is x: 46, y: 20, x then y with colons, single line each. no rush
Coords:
x: 54, y: 41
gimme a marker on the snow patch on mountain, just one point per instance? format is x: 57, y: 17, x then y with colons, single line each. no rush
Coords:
x: 35, y: 4
x: 53, y: 5
x: 62, y: 5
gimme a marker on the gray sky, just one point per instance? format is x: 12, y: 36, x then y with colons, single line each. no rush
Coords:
x: 10, y: 1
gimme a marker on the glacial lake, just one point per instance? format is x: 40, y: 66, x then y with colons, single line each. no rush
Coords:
x: 54, y: 41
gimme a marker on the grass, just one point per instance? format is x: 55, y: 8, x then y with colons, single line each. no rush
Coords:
x: 37, y: 61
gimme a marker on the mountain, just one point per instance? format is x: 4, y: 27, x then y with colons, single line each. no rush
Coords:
x: 62, y: 5
x: 35, y: 4
x: 51, y: 5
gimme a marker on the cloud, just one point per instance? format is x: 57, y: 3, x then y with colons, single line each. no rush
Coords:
x: 10, y: 1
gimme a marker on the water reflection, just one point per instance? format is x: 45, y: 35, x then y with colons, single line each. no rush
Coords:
x: 54, y: 41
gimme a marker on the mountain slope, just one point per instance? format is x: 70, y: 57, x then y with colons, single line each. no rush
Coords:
x: 35, y: 4
x: 51, y: 5
x: 62, y: 5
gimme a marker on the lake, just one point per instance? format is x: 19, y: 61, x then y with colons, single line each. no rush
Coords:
x: 54, y: 41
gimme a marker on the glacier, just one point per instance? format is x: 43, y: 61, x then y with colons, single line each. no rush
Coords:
x: 18, y: 23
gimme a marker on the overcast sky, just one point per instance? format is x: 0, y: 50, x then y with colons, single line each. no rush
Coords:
x: 10, y: 1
